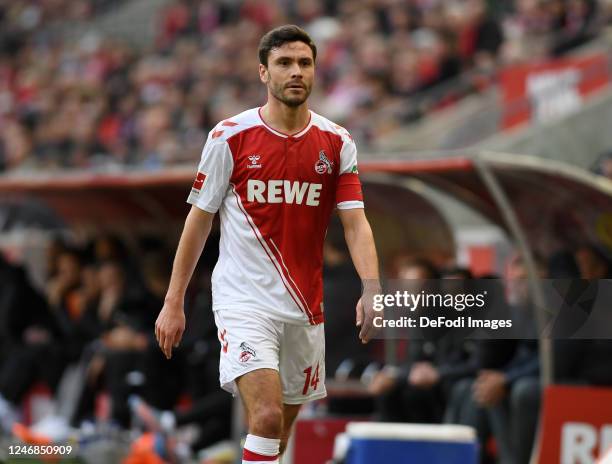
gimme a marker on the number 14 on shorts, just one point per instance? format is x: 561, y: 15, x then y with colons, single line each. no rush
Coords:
x: 311, y: 380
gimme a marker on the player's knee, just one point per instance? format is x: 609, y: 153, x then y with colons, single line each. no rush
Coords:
x: 268, y: 421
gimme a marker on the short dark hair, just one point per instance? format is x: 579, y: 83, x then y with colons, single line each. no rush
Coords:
x: 281, y: 35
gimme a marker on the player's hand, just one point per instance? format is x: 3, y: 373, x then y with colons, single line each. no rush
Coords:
x: 365, y: 313
x: 169, y: 328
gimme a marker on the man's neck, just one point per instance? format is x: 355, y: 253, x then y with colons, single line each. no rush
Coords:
x: 284, y: 118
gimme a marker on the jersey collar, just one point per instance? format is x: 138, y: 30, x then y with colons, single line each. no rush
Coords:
x: 282, y: 134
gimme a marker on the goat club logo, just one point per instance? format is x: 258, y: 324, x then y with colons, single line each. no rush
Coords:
x: 323, y: 164
x: 246, y: 353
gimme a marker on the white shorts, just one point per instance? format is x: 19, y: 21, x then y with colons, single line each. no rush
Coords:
x: 250, y: 340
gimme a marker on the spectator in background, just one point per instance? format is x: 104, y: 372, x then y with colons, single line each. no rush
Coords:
x: 418, y: 390
x: 47, y: 336
x: 576, y: 23
x: 30, y: 342
x: 591, y: 357
x: 487, y: 37
x: 586, y: 361
x: 121, y: 318
x: 603, y: 166
x: 606, y: 167
x: 437, y: 365
x: 209, y: 408
x: 55, y: 247
x: 94, y: 101
x: 592, y: 263
x: 62, y: 288
x: 505, y: 401
x: 581, y: 361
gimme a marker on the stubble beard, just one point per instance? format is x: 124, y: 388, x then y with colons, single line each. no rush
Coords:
x: 277, y: 92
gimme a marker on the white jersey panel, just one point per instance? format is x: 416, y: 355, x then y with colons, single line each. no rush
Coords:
x: 348, y: 155
x: 214, y: 172
x: 247, y: 276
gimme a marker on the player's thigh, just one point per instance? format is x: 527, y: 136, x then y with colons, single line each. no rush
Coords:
x: 260, y: 390
x: 302, y: 363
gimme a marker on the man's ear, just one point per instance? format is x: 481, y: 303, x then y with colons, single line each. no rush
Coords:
x: 264, y: 74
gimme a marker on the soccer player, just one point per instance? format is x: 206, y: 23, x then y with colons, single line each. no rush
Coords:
x: 274, y: 174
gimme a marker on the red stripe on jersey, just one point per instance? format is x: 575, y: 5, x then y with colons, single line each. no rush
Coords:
x: 251, y: 456
x: 265, y: 247
x: 199, y: 181
x: 216, y: 134
x: 349, y: 188
x: 291, y: 282
x: 229, y: 123
x: 288, y: 224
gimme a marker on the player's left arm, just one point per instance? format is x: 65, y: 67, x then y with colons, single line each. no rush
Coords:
x: 358, y: 234
x: 360, y: 241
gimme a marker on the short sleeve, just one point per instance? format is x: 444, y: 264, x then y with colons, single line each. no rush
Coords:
x: 348, y: 190
x: 212, y: 180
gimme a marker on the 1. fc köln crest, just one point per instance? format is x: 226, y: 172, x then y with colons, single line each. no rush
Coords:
x: 246, y: 352
x: 323, y: 164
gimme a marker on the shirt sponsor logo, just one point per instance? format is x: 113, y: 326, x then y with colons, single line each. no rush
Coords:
x: 283, y: 191
x: 198, y: 183
x: 246, y: 352
x: 354, y: 169
x: 254, y: 162
x: 323, y: 164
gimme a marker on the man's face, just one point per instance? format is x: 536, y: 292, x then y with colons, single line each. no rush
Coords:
x: 290, y: 73
x: 517, y: 285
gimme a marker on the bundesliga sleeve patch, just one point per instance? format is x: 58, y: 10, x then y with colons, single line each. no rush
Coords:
x: 198, y: 183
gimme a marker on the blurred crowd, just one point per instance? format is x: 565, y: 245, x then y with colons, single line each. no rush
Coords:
x: 492, y: 384
x: 97, y: 102
x: 87, y: 336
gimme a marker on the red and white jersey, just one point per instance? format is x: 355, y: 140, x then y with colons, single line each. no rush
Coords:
x: 275, y: 194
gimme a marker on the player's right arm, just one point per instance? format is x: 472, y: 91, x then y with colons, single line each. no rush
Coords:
x: 170, y: 323
x: 207, y: 194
